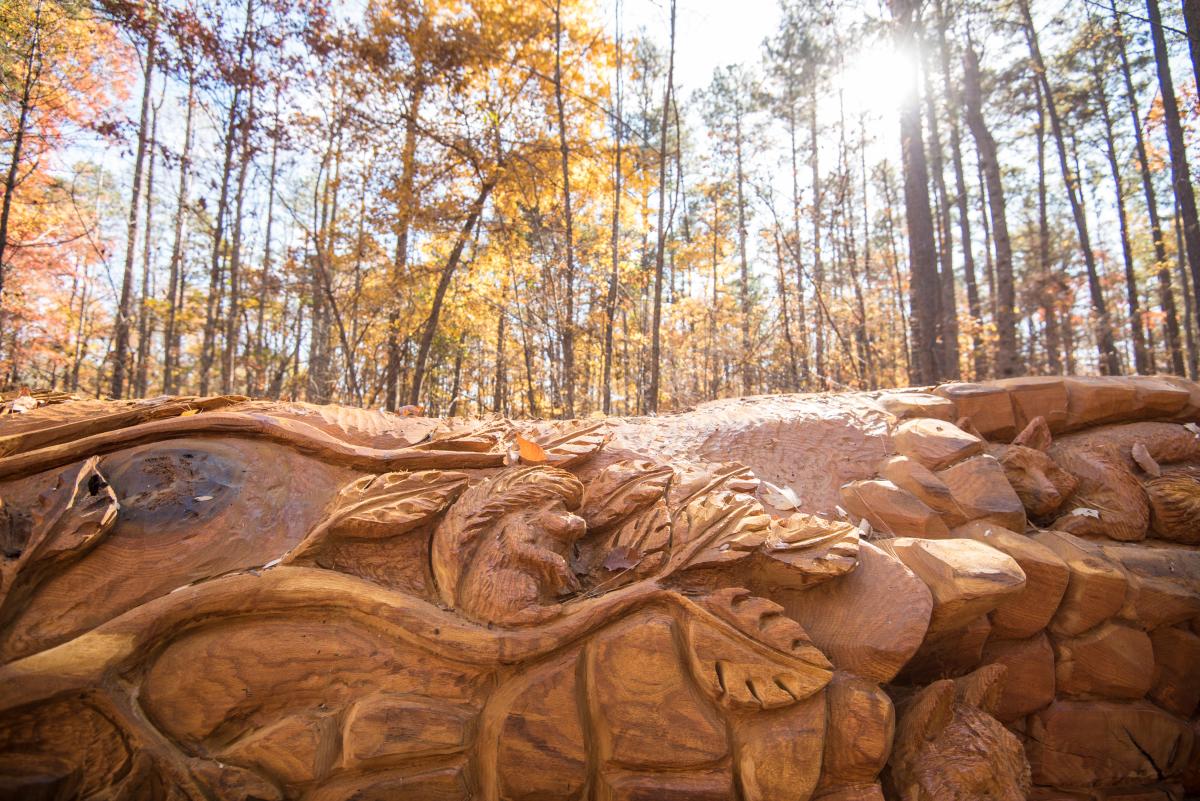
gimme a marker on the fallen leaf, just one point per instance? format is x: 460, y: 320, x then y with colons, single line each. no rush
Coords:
x: 530, y: 451
x: 779, y: 497
x: 1081, y: 511
x: 203, y: 498
x: 189, y: 412
x: 622, y: 557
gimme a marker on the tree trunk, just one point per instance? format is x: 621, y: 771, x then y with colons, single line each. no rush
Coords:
x: 1008, y: 361
x: 656, y: 333
x: 1180, y: 175
x: 174, y: 297
x: 1140, y: 359
x: 568, y: 326
x: 1189, y: 300
x: 1191, y: 19
x: 234, y: 313
x: 120, y: 354
x: 955, y: 105
x: 814, y: 164
x: 925, y: 288
x: 793, y: 370
x: 610, y: 303
x: 500, y: 384
x: 801, y: 322
x: 1162, y: 265
x: 140, y: 382
x: 439, y: 296
x: 1110, y: 362
x: 404, y: 215
x: 949, y: 303
x: 265, y: 286
x: 747, y: 358
x: 212, y: 306
x: 32, y: 71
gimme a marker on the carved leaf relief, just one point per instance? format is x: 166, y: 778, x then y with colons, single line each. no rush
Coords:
x: 567, y: 447
x: 375, y: 507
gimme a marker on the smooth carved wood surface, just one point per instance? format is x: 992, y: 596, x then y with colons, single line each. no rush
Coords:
x: 979, y: 591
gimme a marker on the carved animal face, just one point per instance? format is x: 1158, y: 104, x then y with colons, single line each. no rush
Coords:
x: 1175, y: 504
x: 1039, y: 482
x: 950, y: 748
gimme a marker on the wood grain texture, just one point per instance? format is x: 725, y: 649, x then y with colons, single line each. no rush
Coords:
x: 832, y: 598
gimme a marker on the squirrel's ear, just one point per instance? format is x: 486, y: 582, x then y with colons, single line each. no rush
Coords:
x: 966, y: 425
x: 1036, y: 435
x: 982, y: 688
x: 928, y: 712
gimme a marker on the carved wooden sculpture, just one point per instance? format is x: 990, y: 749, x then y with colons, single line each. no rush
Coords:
x: 841, y: 598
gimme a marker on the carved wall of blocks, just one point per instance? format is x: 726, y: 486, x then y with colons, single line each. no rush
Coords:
x: 975, y: 591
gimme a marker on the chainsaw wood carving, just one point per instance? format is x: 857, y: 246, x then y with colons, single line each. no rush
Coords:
x: 980, y: 591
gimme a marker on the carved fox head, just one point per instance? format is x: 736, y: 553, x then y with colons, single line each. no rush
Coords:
x: 1040, y: 483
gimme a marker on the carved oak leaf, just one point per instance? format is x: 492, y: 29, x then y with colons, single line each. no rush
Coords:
x: 566, y: 447
x: 621, y: 490
x: 627, y: 520
x: 634, y: 548
x: 492, y: 436
x: 69, y: 520
x: 810, y: 549
x: 716, y: 529
x: 774, y: 665
x: 693, y: 480
x: 374, y: 507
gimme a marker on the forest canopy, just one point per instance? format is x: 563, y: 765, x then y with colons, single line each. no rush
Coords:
x: 528, y: 207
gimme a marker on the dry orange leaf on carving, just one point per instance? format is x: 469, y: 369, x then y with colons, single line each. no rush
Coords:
x: 530, y: 451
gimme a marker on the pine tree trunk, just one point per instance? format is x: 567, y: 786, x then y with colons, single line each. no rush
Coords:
x: 814, y: 163
x: 568, y: 326
x: 614, y: 278
x: 656, y: 324
x: 955, y: 105
x: 140, y: 382
x: 174, y: 296
x: 1191, y: 19
x: 1106, y: 348
x: 1181, y: 179
x: 120, y: 353
x: 747, y: 357
x: 949, y: 302
x: 1163, y: 267
x: 1008, y: 361
x: 925, y: 287
x: 1141, y: 360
